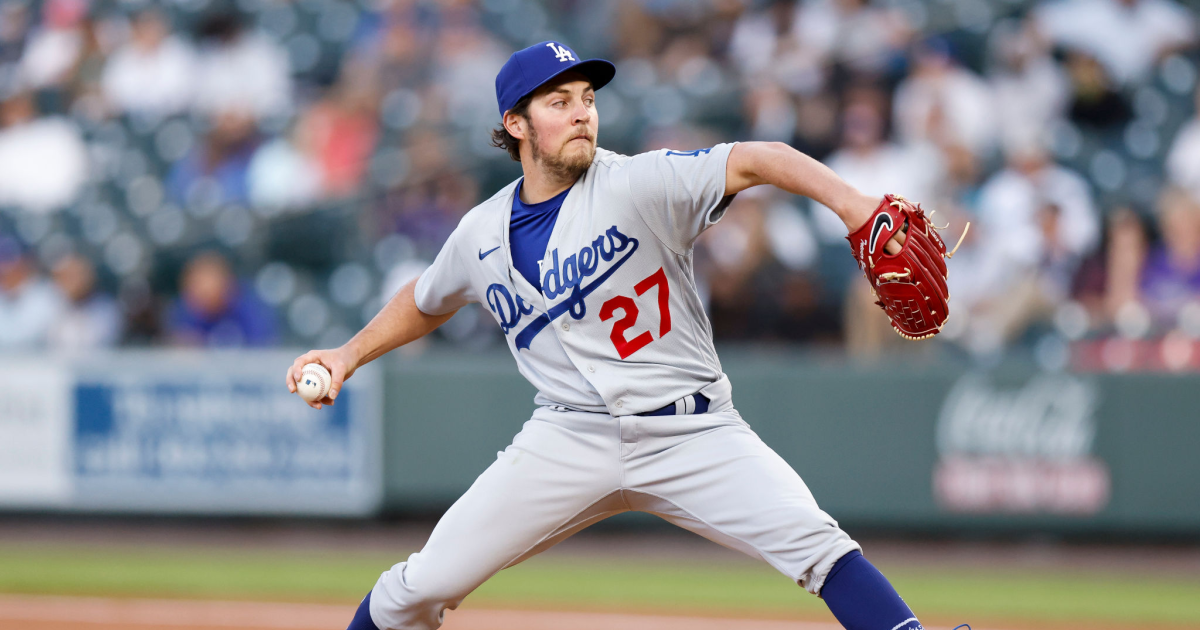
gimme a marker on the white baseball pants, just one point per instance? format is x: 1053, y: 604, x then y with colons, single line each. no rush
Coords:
x: 565, y: 470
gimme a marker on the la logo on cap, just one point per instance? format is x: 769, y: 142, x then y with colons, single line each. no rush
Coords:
x: 560, y: 52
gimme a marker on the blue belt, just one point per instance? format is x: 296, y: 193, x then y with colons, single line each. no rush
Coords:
x: 691, y: 404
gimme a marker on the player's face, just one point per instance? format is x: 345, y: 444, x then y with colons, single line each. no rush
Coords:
x: 563, y: 127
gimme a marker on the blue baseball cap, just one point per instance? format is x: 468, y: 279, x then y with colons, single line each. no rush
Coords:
x: 529, y: 69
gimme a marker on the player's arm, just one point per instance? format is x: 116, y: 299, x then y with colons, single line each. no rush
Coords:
x: 399, y: 322
x: 757, y: 163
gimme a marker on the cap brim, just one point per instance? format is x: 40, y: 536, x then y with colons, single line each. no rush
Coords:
x: 598, y: 71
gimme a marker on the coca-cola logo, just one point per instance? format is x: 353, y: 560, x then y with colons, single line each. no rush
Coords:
x: 1048, y: 417
x: 1022, y: 449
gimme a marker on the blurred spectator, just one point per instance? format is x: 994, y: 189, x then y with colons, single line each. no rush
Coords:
x: 29, y: 304
x: 240, y: 69
x: 143, y: 312
x: 89, y: 319
x: 398, y: 57
x: 1095, y: 102
x: 55, y: 48
x: 767, y: 50
x: 638, y: 33
x: 1124, y: 259
x: 1029, y: 89
x: 862, y: 37
x: 798, y: 45
x: 944, y: 103
x: 467, y: 58
x: 63, y: 59
x: 283, y: 174
x: 877, y: 167
x: 43, y: 161
x: 1017, y: 197
x: 1171, y: 275
x: 1030, y: 295
x: 795, y: 306
x: 1126, y: 36
x: 341, y: 130
x: 791, y: 236
x: 14, y: 30
x: 428, y: 211
x: 215, y: 172
x: 758, y: 34
x: 215, y: 310
x: 1037, y: 222
x: 734, y: 253
x: 1183, y: 162
x: 154, y: 72
x: 771, y: 112
x: 816, y: 125
x: 84, y: 78
x: 429, y: 154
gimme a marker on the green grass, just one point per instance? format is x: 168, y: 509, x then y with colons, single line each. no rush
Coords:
x: 667, y: 586
x: 193, y: 573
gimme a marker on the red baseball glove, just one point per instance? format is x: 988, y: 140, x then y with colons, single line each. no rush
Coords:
x: 910, y: 285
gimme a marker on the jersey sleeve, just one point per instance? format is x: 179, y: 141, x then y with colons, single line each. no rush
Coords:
x: 446, y: 285
x: 680, y: 193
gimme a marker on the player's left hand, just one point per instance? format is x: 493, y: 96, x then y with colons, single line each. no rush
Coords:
x: 339, y: 361
x: 902, y: 256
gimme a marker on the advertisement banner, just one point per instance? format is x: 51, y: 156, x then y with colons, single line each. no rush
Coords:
x: 202, y: 432
x: 1020, y: 450
x: 35, y: 434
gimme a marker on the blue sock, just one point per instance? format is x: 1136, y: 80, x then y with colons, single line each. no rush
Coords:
x: 362, y: 617
x: 862, y: 599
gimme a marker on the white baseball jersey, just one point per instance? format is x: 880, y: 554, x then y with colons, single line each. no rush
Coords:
x: 618, y: 330
x: 618, y: 326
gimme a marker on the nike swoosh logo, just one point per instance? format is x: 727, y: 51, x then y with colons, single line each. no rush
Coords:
x: 483, y: 254
x: 877, y: 229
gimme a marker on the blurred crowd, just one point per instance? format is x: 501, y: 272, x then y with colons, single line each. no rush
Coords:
x: 263, y: 172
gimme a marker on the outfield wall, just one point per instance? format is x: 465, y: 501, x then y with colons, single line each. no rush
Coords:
x: 929, y: 446
x: 934, y: 447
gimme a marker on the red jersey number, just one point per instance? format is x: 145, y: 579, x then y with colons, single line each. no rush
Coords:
x: 626, y: 347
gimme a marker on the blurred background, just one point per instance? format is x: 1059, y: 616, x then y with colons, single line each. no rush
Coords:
x: 193, y: 190
x: 258, y: 173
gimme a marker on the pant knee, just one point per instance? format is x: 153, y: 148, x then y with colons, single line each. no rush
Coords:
x: 837, y: 544
x: 406, y: 598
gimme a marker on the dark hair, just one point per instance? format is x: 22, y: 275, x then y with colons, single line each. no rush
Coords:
x: 504, y: 140
x: 221, y: 26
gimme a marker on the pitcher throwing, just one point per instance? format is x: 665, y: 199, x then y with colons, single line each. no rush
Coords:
x: 586, y: 264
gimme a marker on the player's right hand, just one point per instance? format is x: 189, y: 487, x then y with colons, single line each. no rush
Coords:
x: 340, y: 362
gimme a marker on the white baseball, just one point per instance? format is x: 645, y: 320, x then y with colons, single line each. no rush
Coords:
x: 314, y: 382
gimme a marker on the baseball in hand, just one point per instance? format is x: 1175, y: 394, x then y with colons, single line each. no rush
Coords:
x: 314, y: 382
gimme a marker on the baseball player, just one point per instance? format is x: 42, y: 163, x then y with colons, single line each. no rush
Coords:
x: 586, y: 264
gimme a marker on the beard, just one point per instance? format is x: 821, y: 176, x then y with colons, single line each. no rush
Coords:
x: 561, y: 165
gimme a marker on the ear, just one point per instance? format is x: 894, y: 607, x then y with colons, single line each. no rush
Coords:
x: 515, y: 125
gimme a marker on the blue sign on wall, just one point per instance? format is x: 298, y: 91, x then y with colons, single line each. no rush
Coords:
x: 164, y: 440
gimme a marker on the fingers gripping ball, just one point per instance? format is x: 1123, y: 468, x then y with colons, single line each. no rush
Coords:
x: 314, y: 382
x: 910, y: 285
